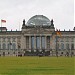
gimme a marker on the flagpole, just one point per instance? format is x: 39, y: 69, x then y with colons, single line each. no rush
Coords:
x: 1, y: 25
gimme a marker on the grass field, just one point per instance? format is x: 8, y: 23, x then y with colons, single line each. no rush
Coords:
x: 37, y: 66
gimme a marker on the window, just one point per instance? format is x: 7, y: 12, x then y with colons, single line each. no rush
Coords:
x: 13, y: 46
x: 67, y: 46
x: 9, y: 46
x: 72, y: 46
x: 62, y: 46
x: 57, y: 39
x: 4, y: 46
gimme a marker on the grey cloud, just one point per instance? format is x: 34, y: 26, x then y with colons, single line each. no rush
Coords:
x: 62, y: 11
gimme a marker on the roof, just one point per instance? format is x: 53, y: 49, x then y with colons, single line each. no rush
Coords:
x: 38, y: 20
x: 3, y: 28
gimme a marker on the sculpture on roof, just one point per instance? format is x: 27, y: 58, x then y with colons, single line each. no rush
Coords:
x: 52, y: 22
x: 24, y: 22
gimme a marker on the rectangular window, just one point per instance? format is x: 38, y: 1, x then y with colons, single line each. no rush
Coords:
x: 72, y: 46
x: 4, y: 46
x: 67, y: 46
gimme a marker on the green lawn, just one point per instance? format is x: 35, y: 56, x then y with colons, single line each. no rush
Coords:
x: 37, y: 65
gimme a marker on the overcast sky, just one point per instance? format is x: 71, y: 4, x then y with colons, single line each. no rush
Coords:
x: 14, y: 11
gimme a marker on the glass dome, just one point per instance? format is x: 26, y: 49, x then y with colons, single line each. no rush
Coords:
x: 38, y: 20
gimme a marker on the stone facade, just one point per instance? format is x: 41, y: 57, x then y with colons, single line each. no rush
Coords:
x: 37, y: 39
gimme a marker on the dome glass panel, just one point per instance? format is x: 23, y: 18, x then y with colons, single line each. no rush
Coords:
x: 38, y: 20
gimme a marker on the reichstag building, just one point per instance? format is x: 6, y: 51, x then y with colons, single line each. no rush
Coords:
x: 37, y: 37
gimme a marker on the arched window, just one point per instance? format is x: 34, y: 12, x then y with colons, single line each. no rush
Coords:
x: 62, y: 46
x: 4, y: 46
x: 13, y: 46
x: 9, y: 46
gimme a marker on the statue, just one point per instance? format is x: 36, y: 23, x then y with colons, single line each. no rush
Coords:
x: 24, y: 22
x: 52, y: 22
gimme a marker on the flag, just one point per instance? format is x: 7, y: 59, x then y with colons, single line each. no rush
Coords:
x: 3, y: 21
x: 58, y: 32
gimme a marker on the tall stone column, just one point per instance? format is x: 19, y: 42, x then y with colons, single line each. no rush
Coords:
x: 34, y: 42
x: 25, y: 42
x: 40, y: 42
x: 45, y: 42
x: 29, y: 42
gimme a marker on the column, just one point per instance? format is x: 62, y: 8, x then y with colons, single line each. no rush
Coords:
x: 25, y: 42
x: 40, y: 42
x: 34, y: 42
x: 30, y: 42
x: 45, y: 42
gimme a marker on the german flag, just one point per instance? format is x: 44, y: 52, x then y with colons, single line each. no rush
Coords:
x: 58, y: 32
